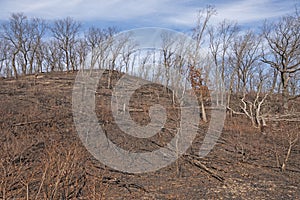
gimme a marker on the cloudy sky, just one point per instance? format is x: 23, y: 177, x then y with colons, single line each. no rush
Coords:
x: 126, y: 14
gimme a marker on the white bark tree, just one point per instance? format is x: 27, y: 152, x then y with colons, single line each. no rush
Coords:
x: 221, y: 38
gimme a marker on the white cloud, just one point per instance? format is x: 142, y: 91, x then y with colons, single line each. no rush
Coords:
x: 181, y: 13
x: 84, y: 10
x: 241, y: 11
x: 253, y: 10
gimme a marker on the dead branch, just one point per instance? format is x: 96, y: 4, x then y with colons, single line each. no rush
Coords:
x: 194, y: 161
x: 293, y: 117
x: 244, y: 107
x: 286, y: 120
x: 295, y: 97
x: 32, y: 122
x: 234, y: 112
x: 115, y: 181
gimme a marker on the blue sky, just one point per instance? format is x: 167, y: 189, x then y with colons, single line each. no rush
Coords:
x: 127, y: 14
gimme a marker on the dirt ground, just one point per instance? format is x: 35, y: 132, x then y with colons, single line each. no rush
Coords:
x: 42, y: 156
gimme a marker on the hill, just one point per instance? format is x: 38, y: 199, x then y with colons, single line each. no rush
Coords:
x: 42, y: 156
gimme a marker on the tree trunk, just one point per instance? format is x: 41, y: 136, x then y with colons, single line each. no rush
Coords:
x: 230, y: 90
x: 204, y: 118
x: 285, y: 92
x: 14, y: 65
x: 67, y: 61
x: 275, y: 74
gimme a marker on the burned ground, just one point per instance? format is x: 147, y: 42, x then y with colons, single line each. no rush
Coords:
x: 42, y: 156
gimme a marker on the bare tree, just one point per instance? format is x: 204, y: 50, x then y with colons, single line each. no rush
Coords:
x: 98, y: 41
x: 247, y: 51
x: 251, y: 77
x: 243, y: 60
x: 127, y: 55
x: 4, y: 57
x: 37, y: 29
x: 253, y: 102
x: 221, y: 38
x: 198, y: 34
x: 13, y: 32
x: 114, y: 50
x: 142, y: 60
x: 168, y: 53
x: 25, y: 37
x: 283, y: 39
x: 82, y: 52
x: 65, y: 31
x: 53, y: 56
x: 39, y: 57
x: 198, y: 87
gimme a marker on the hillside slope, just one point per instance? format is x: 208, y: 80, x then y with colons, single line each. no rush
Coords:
x: 42, y: 156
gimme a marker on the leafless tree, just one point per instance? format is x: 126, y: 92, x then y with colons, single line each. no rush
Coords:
x: 199, y: 32
x: 127, y: 54
x: 65, y: 31
x: 37, y: 29
x: 25, y: 39
x: 243, y: 60
x: 247, y: 51
x: 142, y: 64
x: 98, y: 41
x: 14, y: 32
x: 252, y: 105
x: 251, y: 77
x: 39, y: 57
x: 221, y: 38
x: 114, y: 50
x: 54, y: 56
x: 168, y: 53
x: 82, y: 52
x: 4, y: 58
x: 283, y: 54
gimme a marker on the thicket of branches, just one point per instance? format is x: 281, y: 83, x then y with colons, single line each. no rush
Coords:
x: 251, y: 64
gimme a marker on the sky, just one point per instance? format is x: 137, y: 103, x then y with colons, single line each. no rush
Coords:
x: 128, y: 14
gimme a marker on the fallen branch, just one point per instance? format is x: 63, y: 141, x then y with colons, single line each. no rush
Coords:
x: 286, y: 120
x: 115, y: 181
x: 194, y: 161
x: 234, y: 112
x: 133, y: 185
x: 293, y: 117
x: 295, y: 97
x: 31, y: 122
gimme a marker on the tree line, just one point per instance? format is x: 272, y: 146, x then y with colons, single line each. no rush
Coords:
x: 253, y: 63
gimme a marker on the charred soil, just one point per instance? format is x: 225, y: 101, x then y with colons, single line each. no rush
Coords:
x: 42, y: 156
